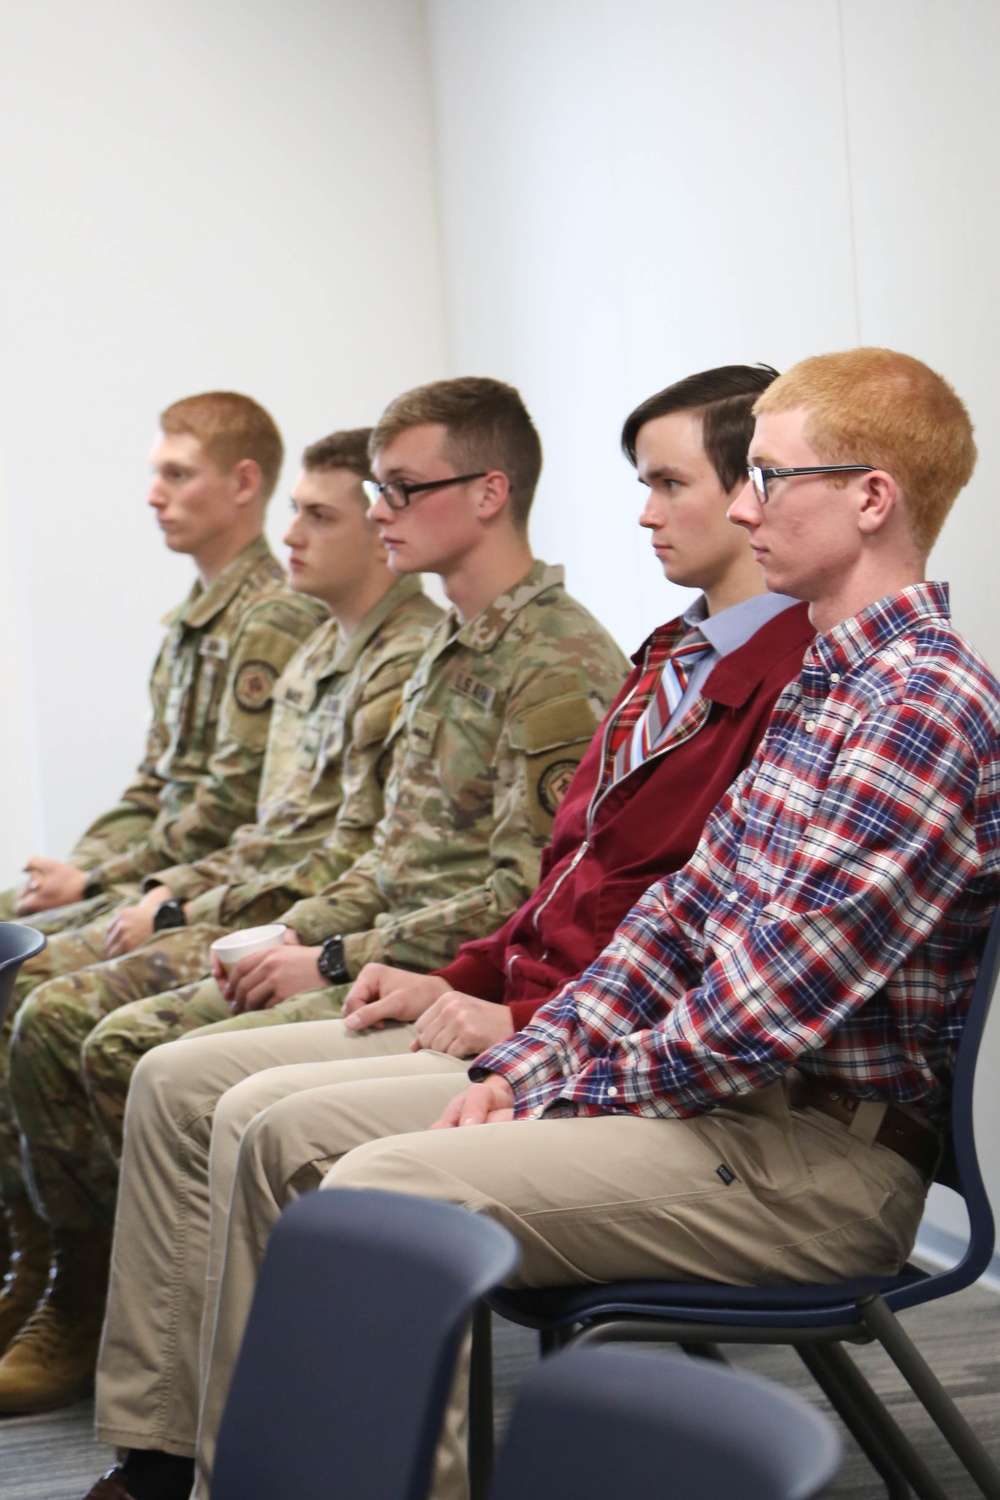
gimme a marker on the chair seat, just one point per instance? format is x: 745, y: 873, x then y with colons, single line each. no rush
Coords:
x: 810, y: 1306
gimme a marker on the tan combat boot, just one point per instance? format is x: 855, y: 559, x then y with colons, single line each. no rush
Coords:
x: 30, y: 1249
x: 51, y: 1361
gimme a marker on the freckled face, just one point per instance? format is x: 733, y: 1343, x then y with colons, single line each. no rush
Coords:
x: 805, y: 538
x: 194, y: 501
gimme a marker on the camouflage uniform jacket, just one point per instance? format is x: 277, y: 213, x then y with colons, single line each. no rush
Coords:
x: 211, y: 691
x: 320, y: 792
x: 494, y: 722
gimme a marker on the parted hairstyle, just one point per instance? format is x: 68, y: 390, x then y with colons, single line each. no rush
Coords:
x: 230, y: 427
x: 488, y: 428
x: 874, y: 406
x: 341, y: 450
x: 725, y: 398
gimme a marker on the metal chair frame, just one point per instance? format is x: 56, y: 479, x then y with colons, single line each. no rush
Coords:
x: 816, y: 1319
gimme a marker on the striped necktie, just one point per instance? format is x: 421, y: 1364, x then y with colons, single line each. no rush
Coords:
x: 670, y: 687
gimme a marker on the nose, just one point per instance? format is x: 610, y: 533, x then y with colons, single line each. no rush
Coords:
x: 380, y: 511
x: 651, y: 515
x: 291, y: 535
x: 746, y: 510
x: 157, y: 495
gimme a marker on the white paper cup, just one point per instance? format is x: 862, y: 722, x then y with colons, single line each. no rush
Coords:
x: 237, y: 945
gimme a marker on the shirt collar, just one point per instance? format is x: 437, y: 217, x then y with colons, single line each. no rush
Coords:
x: 482, y: 632
x: 855, y: 640
x: 203, y: 604
x: 348, y: 651
x: 733, y: 627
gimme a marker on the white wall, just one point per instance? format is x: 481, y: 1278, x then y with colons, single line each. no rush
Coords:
x: 245, y: 195
x: 191, y: 197
x: 636, y: 189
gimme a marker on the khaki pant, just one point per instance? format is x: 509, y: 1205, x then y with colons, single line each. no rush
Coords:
x: 799, y: 1197
x: 147, y: 1379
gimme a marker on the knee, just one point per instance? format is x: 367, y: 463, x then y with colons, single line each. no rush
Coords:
x: 238, y: 1106
x: 42, y: 1016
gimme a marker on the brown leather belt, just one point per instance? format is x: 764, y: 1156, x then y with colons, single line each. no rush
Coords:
x: 914, y: 1141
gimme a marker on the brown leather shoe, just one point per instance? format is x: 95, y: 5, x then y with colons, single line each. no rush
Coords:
x: 110, y: 1486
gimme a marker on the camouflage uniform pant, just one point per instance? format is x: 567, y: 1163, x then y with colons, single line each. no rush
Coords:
x: 46, y: 1123
x: 70, y: 1078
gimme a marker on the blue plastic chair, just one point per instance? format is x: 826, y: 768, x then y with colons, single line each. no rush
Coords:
x: 589, y: 1424
x: 351, y: 1347
x: 815, y: 1319
x: 17, y: 943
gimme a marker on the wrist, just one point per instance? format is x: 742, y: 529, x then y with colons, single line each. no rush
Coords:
x: 169, y: 914
x: 331, y: 962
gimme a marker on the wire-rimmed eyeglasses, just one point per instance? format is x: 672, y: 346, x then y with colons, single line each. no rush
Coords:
x: 759, y: 477
x: 398, y: 495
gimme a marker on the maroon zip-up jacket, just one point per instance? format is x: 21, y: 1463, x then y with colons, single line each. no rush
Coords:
x: 608, y: 847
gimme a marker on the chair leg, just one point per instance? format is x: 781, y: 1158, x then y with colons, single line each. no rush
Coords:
x: 932, y: 1395
x: 481, y: 1403
x: 854, y: 1401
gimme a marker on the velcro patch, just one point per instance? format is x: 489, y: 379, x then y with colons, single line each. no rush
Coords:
x: 254, y: 685
x: 553, y: 782
x: 214, y: 646
x: 724, y: 1174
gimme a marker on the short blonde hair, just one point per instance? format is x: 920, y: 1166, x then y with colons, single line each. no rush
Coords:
x: 230, y: 427
x: 488, y: 428
x: 877, y: 407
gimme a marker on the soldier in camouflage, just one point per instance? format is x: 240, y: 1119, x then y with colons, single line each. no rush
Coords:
x: 497, y: 715
x: 321, y: 797
x: 215, y: 466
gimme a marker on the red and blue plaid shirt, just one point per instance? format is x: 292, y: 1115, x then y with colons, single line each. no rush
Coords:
x: 832, y: 916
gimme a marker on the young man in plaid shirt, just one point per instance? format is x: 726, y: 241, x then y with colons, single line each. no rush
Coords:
x: 748, y: 1083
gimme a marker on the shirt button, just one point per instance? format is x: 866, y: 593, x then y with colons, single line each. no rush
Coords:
x: 612, y: 1092
x: 810, y: 726
x: 834, y: 676
x: 732, y: 895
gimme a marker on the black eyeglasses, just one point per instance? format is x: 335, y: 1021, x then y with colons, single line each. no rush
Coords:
x: 398, y: 495
x: 759, y: 477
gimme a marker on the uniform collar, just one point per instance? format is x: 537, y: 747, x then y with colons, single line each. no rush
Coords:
x: 203, y: 604
x: 482, y: 632
x: 348, y: 651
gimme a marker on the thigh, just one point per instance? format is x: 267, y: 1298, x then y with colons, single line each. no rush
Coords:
x: 321, y: 1079
x: 732, y: 1196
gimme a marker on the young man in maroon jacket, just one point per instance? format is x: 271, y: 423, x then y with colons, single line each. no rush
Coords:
x: 687, y: 722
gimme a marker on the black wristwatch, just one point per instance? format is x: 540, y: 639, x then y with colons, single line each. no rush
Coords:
x: 331, y: 961
x: 169, y: 914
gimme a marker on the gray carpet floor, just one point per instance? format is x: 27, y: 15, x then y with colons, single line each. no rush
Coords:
x: 56, y: 1458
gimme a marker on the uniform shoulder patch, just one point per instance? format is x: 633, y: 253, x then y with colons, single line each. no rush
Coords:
x: 553, y: 782
x: 254, y: 686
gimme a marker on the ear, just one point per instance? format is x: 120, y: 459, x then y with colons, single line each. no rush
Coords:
x: 493, y: 495
x: 246, y: 476
x: 880, y: 497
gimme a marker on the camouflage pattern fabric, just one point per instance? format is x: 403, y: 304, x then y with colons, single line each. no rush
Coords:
x: 211, y: 692
x: 43, y: 1037
x: 321, y: 790
x: 320, y: 800
x: 494, y: 722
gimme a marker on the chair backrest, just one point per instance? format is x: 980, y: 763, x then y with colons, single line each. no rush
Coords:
x: 17, y: 943
x: 589, y: 1423
x: 351, y: 1347
x: 960, y: 1168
